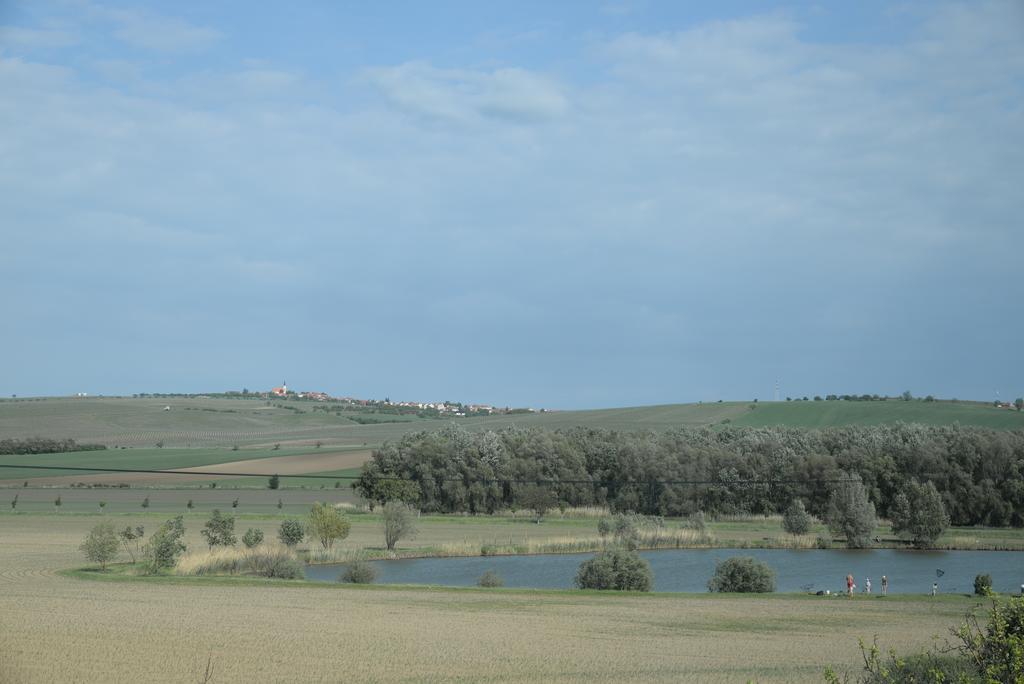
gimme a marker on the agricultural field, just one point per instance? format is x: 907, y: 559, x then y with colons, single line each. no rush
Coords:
x: 55, y: 627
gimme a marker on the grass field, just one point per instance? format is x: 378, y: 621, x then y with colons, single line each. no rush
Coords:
x: 57, y: 628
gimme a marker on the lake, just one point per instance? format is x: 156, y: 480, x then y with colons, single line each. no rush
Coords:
x: 909, y: 572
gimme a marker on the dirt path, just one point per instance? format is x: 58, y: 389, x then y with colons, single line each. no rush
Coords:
x: 281, y: 465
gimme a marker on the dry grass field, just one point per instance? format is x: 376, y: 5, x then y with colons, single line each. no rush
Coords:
x: 55, y: 628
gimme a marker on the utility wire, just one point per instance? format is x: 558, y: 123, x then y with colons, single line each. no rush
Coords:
x: 502, y: 480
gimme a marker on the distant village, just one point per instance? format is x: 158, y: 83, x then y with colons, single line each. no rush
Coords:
x: 423, y: 409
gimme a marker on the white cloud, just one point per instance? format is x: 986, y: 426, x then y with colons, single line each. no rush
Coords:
x: 31, y: 39
x: 150, y: 31
x: 468, y: 95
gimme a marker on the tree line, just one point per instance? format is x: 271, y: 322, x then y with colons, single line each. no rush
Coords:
x: 978, y: 472
x: 44, y: 445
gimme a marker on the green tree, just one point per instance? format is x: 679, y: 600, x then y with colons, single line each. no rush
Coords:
x: 14, y: 503
x: 399, y: 523
x: 378, y: 490
x: 796, y: 519
x: 1019, y: 403
x: 538, y: 498
x: 252, y: 537
x: 190, y: 505
x: 57, y: 503
x: 100, y: 546
x: 219, y: 530
x: 742, y: 574
x: 619, y: 569
x: 997, y: 650
x: 130, y: 539
x: 165, y: 545
x: 274, y: 482
x: 918, y: 514
x: 850, y: 513
x: 291, y: 532
x: 145, y: 502
x: 326, y: 524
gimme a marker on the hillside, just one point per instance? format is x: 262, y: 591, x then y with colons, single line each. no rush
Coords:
x: 227, y: 422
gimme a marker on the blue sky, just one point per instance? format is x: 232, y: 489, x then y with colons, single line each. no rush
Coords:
x: 566, y: 205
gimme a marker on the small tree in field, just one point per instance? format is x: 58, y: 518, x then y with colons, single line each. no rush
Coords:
x: 14, y: 503
x: 326, y: 524
x: 57, y: 503
x: 131, y: 538
x: 917, y: 513
x: 252, y: 537
x: 274, y: 482
x: 145, y: 502
x: 165, y: 545
x: 190, y: 505
x: 850, y: 513
x: 796, y: 520
x: 290, y: 532
x: 100, y: 546
x: 539, y: 499
x: 399, y: 523
x: 219, y: 530
x: 742, y: 574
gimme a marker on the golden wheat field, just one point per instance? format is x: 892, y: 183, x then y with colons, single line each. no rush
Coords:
x: 55, y: 628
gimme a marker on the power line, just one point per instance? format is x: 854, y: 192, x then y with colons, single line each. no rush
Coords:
x: 502, y: 480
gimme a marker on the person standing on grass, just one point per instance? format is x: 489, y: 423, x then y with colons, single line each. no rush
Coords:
x: 885, y: 585
x: 867, y: 585
x: 849, y: 586
x: 935, y: 588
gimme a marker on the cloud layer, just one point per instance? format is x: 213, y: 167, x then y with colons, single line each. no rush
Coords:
x: 658, y: 215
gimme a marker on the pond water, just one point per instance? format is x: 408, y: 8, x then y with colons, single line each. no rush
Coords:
x: 690, y: 569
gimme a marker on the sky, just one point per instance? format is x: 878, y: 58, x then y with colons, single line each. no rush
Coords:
x: 561, y: 205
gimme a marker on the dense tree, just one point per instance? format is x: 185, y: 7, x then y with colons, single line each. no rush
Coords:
x: 399, y: 523
x: 918, y: 514
x: 978, y: 473
x: 101, y: 544
x: 274, y: 482
x: 326, y: 524
x: 850, y: 513
x: 796, y: 520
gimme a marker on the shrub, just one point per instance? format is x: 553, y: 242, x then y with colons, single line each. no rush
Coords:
x: 290, y: 533
x: 742, y: 574
x: 252, y: 537
x: 101, y: 544
x: 399, y: 523
x: 490, y: 579
x: 615, y: 569
x: 983, y: 585
x: 796, y: 520
x: 264, y: 561
x: 489, y: 549
x: 274, y: 482
x: 358, y: 571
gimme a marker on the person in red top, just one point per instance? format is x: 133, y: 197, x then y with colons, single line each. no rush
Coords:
x: 849, y: 585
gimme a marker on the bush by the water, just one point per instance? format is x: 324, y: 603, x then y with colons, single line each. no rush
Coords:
x: 983, y: 584
x: 275, y: 560
x: 615, y: 569
x: 358, y: 571
x: 742, y: 574
x: 490, y: 579
x: 291, y: 532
